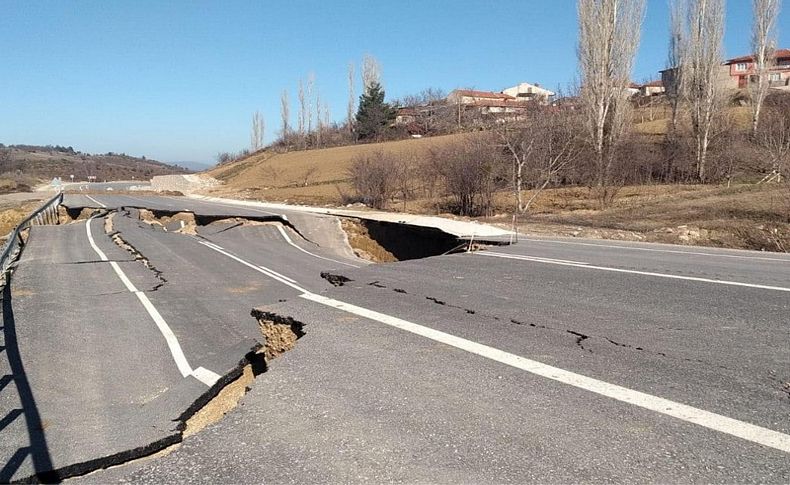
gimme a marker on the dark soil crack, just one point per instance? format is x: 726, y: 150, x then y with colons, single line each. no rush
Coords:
x: 137, y: 255
x: 580, y: 337
x: 335, y: 279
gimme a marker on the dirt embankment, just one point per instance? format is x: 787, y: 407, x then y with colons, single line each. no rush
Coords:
x: 11, y: 214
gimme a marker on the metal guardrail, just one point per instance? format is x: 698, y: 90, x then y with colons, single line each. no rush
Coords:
x: 46, y: 214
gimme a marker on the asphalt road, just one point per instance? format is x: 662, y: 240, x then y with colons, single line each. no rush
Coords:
x: 549, y: 361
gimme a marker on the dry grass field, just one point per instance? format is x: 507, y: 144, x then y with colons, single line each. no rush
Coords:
x: 742, y: 216
x: 311, y: 176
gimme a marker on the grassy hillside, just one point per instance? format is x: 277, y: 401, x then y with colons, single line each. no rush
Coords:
x: 25, y: 165
x: 311, y: 176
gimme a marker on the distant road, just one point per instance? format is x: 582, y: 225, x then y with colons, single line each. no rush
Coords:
x: 553, y: 360
x: 119, y: 185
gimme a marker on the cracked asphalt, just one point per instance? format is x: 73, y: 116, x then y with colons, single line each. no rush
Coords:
x: 361, y: 401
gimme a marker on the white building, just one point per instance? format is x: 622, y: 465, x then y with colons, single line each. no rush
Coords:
x: 530, y: 92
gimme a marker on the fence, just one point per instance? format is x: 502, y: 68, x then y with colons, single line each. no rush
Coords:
x: 46, y: 214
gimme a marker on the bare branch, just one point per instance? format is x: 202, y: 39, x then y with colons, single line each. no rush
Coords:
x: 609, y: 33
x: 371, y: 72
x: 763, y: 46
x: 702, y: 71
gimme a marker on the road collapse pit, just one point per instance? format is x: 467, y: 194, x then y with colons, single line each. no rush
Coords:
x: 280, y: 335
x: 383, y: 242
x: 180, y: 222
x: 185, y: 222
x: 67, y: 215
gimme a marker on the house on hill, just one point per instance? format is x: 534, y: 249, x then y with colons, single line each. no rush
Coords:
x: 530, y: 92
x: 470, y: 97
x: 485, y: 102
x: 742, y: 71
x: 653, y: 88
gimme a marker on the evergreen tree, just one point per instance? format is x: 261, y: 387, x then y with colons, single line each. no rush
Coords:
x: 373, y: 115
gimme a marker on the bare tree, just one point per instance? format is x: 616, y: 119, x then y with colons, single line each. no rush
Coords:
x: 675, y: 59
x: 285, y: 114
x: 351, y: 108
x: 327, y: 116
x: 774, y: 138
x: 310, y: 91
x: 371, y: 72
x: 311, y: 170
x: 471, y: 172
x: 374, y: 178
x: 702, y: 85
x: 302, y: 120
x: 257, y: 132
x: 539, y: 148
x: 609, y: 32
x: 319, y: 125
x: 763, y: 46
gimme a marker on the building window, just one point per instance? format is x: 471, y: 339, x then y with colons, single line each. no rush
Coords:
x: 775, y: 76
x: 741, y: 66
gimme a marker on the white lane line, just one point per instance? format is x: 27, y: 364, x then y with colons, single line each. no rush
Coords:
x: 96, y: 201
x: 206, y: 376
x: 631, y: 271
x: 260, y: 269
x: 655, y: 250
x: 690, y: 414
x: 707, y: 419
x: 549, y: 260
x: 289, y: 241
x: 277, y: 274
x: 171, y: 339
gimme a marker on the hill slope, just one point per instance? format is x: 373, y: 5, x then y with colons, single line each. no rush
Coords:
x: 311, y: 176
x: 32, y: 164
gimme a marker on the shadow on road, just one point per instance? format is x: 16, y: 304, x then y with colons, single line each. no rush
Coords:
x: 37, y: 447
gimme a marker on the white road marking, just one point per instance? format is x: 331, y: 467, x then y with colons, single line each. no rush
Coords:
x: 630, y: 271
x: 549, y: 260
x: 206, y: 376
x: 180, y: 359
x: 656, y: 250
x: 717, y: 422
x: 707, y: 419
x: 260, y: 269
x: 96, y: 201
x: 288, y: 240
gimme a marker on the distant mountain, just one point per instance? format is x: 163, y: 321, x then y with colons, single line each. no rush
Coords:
x: 196, y: 166
x: 46, y: 162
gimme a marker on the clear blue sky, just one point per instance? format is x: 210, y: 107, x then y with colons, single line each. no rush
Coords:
x: 179, y: 80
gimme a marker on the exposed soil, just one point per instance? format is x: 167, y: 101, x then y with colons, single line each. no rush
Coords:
x: 279, y: 338
x: 364, y: 246
x: 227, y: 399
x: 186, y: 221
x: 66, y: 216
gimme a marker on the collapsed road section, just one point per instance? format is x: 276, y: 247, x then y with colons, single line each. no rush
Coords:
x: 125, y: 332
x: 91, y: 378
